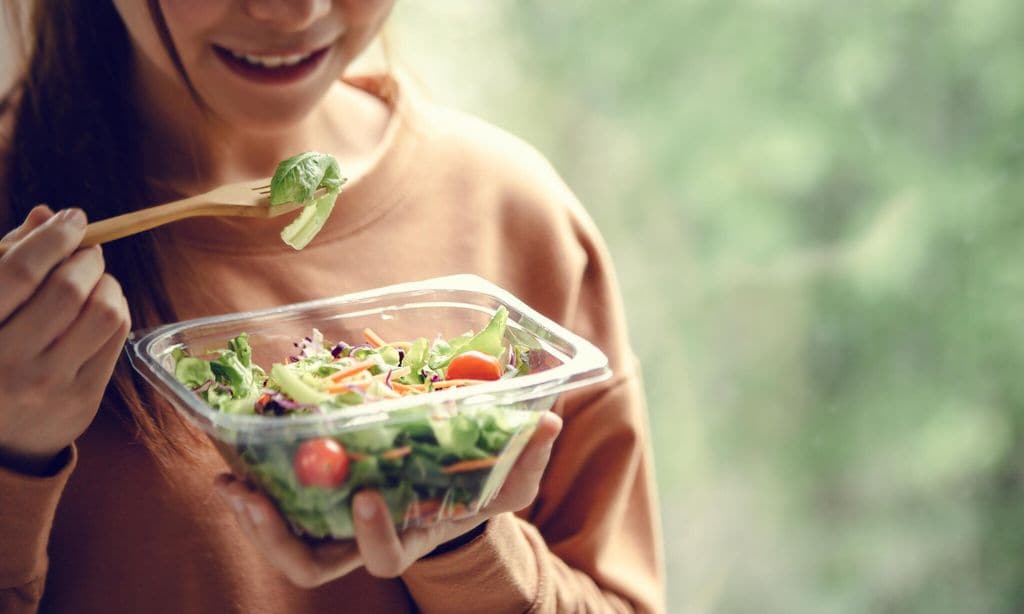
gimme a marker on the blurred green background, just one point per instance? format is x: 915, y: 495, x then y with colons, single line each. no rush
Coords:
x: 813, y: 207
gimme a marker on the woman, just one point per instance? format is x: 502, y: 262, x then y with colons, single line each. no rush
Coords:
x: 108, y: 498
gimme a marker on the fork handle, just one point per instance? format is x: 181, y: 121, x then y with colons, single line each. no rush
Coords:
x: 119, y: 226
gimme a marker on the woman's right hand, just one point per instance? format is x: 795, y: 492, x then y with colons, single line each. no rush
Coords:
x: 63, y: 322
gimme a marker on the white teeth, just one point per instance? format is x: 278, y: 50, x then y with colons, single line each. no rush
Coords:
x: 271, y: 61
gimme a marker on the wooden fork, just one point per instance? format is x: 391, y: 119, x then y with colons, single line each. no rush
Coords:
x: 248, y: 199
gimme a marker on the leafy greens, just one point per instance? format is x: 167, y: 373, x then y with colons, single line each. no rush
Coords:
x: 299, y: 179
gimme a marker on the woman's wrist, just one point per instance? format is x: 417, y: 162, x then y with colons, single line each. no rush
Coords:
x: 35, y: 465
x: 460, y: 541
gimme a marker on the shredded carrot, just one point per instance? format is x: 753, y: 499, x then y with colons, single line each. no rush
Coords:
x: 393, y: 393
x: 457, y: 382
x: 408, y: 388
x: 262, y: 402
x: 394, y: 373
x: 347, y: 387
x: 364, y: 383
x: 389, y: 394
x: 373, y: 338
x: 351, y: 370
x: 396, y: 453
x: 470, y: 465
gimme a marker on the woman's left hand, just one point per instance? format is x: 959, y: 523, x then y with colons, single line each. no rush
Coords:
x: 377, y: 545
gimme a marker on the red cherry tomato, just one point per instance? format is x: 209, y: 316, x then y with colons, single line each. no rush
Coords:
x: 474, y: 365
x: 321, y: 462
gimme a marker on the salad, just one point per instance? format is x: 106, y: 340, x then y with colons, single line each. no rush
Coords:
x: 314, y: 180
x: 426, y: 463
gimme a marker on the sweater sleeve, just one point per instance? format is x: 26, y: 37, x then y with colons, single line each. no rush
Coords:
x: 591, y: 540
x: 27, y: 508
x: 590, y: 544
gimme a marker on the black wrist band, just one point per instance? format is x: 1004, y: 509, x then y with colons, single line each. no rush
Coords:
x: 45, y: 469
x: 459, y: 541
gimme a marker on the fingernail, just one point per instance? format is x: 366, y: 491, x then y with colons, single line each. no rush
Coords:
x: 365, y: 508
x: 255, y: 513
x: 234, y: 501
x: 237, y: 503
x: 74, y: 217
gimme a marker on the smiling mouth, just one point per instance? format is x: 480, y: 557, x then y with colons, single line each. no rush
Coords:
x: 270, y: 61
x: 267, y: 68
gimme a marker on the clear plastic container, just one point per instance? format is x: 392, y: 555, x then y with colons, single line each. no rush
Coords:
x: 416, y: 486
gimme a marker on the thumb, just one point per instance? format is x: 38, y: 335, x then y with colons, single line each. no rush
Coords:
x: 523, y: 481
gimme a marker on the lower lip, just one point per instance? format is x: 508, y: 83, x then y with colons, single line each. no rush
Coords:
x: 279, y: 75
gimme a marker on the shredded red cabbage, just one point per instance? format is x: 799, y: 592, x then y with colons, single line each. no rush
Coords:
x: 219, y: 387
x: 205, y: 386
x: 309, y: 346
x: 280, y: 405
x: 339, y: 349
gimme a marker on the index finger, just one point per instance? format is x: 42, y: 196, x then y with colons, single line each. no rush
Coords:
x: 30, y: 260
x: 520, y: 487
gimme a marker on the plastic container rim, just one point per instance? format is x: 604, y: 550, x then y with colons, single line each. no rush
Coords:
x: 588, y: 365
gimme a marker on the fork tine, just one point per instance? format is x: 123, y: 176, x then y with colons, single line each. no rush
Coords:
x: 261, y: 188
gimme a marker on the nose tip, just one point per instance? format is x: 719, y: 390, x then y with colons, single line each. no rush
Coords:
x: 287, y: 14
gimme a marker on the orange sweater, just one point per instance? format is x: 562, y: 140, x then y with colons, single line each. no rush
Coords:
x: 112, y: 533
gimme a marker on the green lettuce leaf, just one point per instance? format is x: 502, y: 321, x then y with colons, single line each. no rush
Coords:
x: 458, y: 435
x: 238, y: 380
x: 228, y: 368
x: 415, y: 359
x: 240, y: 346
x: 292, y: 385
x: 488, y: 341
x: 297, y: 180
x: 371, y: 439
x: 302, y: 229
x: 299, y: 177
x: 193, y: 372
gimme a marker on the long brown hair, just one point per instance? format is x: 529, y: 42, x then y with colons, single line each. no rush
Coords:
x: 71, y: 145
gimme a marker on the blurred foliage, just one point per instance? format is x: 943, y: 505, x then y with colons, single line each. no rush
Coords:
x: 811, y: 208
